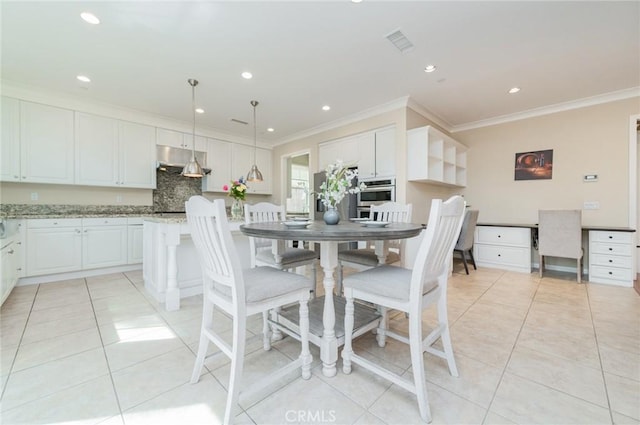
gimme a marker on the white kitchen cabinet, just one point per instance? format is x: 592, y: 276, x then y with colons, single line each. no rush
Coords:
x: 135, y: 232
x: 373, y: 152
x: 434, y: 157
x: 386, y: 152
x: 10, y: 143
x: 114, y: 153
x: 219, y: 160
x: 53, y: 246
x: 137, y: 155
x: 104, y: 242
x: 170, y: 138
x: 11, y: 263
x: 243, y: 159
x: 507, y: 248
x: 611, y: 257
x: 24, y: 131
x: 46, y: 144
x: 97, y: 156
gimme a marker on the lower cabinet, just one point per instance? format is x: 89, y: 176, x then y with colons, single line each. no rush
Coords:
x: 9, y: 268
x: 611, y: 257
x: 68, y: 245
x: 507, y: 248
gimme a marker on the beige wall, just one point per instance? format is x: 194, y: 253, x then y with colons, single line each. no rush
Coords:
x: 591, y: 140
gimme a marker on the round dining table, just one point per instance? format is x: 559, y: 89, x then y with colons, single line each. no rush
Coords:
x: 329, y: 236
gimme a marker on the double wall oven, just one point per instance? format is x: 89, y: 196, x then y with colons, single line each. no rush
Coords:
x: 377, y: 192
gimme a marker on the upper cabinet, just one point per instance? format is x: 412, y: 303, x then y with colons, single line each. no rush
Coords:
x: 137, y: 155
x: 37, y: 143
x: 10, y: 146
x: 219, y: 160
x: 171, y: 138
x: 372, y: 152
x: 243, y: 159
x: 114, y: 153
x: 434, y: 157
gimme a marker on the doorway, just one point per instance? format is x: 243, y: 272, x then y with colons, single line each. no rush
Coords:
x: 297, y: 191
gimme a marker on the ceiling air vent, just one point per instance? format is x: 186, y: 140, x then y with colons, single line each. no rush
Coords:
x: 239, y: 121
x: 400, y: 41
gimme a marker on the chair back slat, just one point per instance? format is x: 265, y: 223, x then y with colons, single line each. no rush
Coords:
x: 262, y: 212
x: 393, y: 212
x: 212, y: 238
x: 434, y: 254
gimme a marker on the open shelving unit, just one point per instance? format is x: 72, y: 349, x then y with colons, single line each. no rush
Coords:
x: 434, y: 157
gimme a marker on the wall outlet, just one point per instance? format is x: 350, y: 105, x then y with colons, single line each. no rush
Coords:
x: 34, y: 196
x: 118, y: 198
x: 591, y: 205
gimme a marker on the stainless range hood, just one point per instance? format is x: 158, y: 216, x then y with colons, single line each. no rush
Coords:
x: 174, y: 159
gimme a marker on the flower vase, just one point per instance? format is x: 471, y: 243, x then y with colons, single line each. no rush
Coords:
x: 237, y: 210
x: 331, y: 216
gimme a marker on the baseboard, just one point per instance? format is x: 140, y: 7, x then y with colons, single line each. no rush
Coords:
x: 35, y: 280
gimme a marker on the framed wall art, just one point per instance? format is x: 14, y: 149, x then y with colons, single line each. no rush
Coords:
x: 536, y: 165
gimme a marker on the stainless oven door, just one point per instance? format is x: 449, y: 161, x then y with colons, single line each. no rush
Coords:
x: 376, y: 195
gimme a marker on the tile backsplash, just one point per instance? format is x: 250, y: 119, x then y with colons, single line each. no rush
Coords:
x: 173, y: 190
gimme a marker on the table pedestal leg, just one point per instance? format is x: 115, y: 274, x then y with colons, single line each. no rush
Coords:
x: 329, y: 345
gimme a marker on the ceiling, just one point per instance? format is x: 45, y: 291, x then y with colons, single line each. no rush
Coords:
x: 306, y: 54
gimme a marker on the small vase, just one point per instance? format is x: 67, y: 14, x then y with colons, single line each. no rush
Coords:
x: 237, y: 210
x: 331, y: 216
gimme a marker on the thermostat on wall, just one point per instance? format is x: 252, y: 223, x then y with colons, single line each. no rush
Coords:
x: 591, y: 178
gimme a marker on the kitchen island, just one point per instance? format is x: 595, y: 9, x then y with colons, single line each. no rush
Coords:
x: 170, y: 265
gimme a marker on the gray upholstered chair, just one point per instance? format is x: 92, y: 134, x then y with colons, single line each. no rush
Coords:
x: 465, y: 241
x: 364, y: 258
x: 560, y: 235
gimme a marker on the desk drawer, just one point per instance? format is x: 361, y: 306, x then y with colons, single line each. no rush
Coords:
x: 610, y: 249
x: 613, y: 237
x: 517, y: 236
x: 504, y: 255
x: 612, y: 273
x: 610, y: 260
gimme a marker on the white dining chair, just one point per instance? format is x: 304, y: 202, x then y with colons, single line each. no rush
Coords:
x: 411, y: 291
x: 239, y: 293
x: 363, y: 258
x: 262, y: 249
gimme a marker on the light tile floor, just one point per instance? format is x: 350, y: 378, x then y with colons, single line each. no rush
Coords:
x: 529, y: 350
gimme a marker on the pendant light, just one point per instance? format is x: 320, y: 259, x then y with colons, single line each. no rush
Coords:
x: 193, y: 169
x: 254, y: 174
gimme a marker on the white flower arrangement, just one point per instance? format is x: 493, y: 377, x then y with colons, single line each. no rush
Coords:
x: 338, y: 184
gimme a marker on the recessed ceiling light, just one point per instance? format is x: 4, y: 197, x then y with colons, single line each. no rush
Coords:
x: 200, y: 110
x: 90, y: 18
x: 514, y: 90
x: 326, y: 107
x: 429, y: 68
x: 356, y: 1
x: 270, y: 130
x: 247, y: 75
x: 84, y: 78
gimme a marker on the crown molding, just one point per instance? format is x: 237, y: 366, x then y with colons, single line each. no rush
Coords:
x: 367, y: 113
x: 444, y: 124
x: 551, y: 109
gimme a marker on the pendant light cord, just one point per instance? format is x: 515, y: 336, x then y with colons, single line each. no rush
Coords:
x: 254, y: 103
x: 193, y: 108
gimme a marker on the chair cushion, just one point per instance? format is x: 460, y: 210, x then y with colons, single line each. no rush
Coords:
x: 388, y: 281
x: 262, y: 283
x: 290, y: 256
x: 366, y: 257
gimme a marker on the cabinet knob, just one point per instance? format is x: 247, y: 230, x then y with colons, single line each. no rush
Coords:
x: 610, y: 237
x: 611, y: 261
x: 610, y: 249
x: 78, y: 231
x: 19, y: 269
x: 610, y: 272
x: 499, y: 255
x: 499, y: 236
x: 16, y: 177
x: 10, y: 251
x: 55, y: 223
